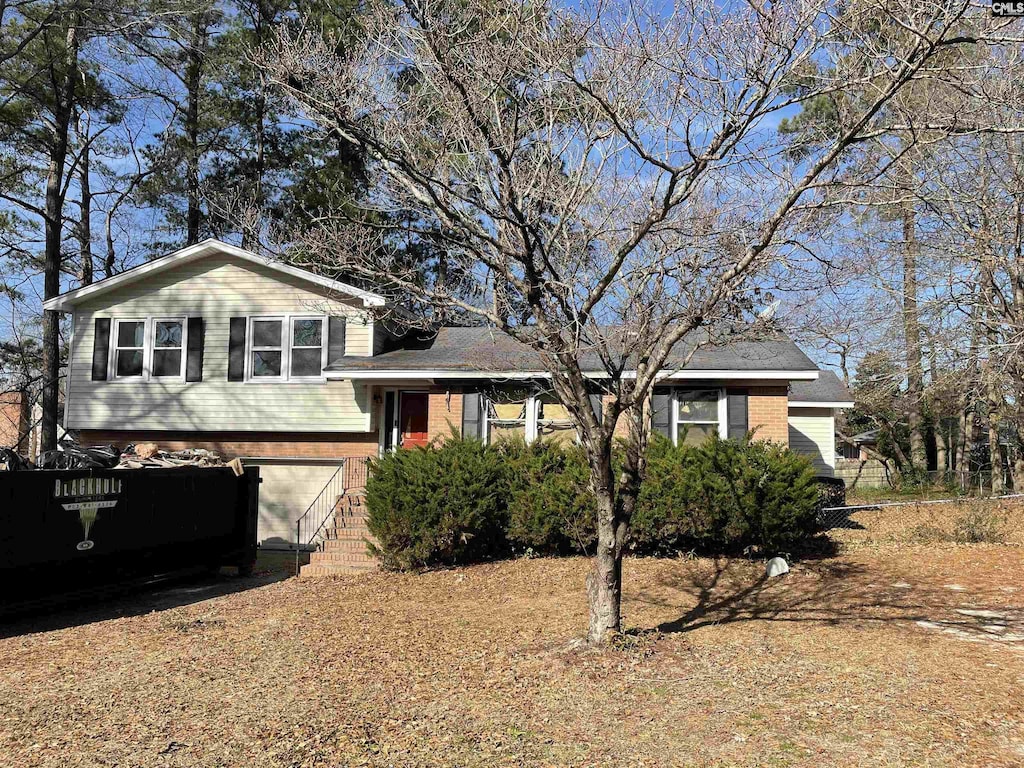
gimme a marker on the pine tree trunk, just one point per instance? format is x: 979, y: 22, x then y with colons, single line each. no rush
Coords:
x: 84, y: 229
x: 52, y: 249
x: 193, y: 83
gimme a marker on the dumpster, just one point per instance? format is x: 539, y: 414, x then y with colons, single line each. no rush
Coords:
x: 63, y: 532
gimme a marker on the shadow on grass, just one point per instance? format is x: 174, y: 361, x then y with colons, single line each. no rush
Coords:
x: 826, y: 592
x: 141, y: 597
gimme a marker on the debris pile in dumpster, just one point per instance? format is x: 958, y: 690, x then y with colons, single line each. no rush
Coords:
x: 71, y: 455
x: 149, y: 455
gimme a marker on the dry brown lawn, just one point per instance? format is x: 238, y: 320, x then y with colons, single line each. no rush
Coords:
x: 890, y: 654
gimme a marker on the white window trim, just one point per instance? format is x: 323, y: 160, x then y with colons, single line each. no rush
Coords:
x: 538, y: 421
x: 151, y: 339
x: 112, y: 362
x: 384, y: 426
x: 723, y: 411
x: 250, y: 347
x: 286, y: 349
x: 530, y: 431
x: 323, y: 345
x: 148, y: 345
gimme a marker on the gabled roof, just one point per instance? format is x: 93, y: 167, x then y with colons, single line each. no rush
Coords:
x: 211, y: 247
x: 476, y: 352
x: 827, y: 391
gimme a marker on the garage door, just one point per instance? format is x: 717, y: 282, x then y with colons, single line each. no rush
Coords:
x: 287, y: 490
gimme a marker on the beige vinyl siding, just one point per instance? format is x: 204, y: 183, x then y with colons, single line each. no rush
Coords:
x: 216, y: 289
x: 286, y: 492
x: 812, y: 434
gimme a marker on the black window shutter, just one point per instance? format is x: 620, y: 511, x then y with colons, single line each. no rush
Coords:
x: 595, y: 406
x: 236, y: 350
x: 736, y: 407
x: 194, y: 360
x: 472, y: 415
x: 661, y: 406
x: 101, y: 349
x: 335, y: 339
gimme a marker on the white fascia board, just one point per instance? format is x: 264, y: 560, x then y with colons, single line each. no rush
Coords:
x: 809, y: 375
x: 65, y: 301
x: 821, y: 404
x: 395, y: 374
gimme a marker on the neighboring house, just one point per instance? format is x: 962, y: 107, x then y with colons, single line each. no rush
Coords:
x: 35, y: 432
x: 860, y: 444
x: 14, y: 421
x: 215, y: 347
x: 812, y: 422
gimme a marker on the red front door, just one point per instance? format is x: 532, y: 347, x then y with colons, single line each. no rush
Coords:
x: 413, y: 419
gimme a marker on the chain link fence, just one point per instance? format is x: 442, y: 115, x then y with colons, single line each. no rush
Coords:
x: 872, y: 479
x: 952, y: 520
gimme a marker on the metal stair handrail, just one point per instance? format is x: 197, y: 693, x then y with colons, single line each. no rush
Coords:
x: 319, y: 512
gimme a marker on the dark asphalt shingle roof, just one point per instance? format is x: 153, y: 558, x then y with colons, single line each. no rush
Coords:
x: 488, y: 349
x: 827, y: 388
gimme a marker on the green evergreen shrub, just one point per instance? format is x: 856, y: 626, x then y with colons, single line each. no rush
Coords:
x: 667, y: 518
x: 551, y: 508
x: 724, y: 496
x: 444, y: 504
x: 461, y: 501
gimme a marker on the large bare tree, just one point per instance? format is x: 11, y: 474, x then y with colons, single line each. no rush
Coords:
x: 609, y: 172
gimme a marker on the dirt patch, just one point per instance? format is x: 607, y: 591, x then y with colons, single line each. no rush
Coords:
x: 829, y: 665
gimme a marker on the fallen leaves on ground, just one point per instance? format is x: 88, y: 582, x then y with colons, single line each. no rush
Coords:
x: 479, y: 666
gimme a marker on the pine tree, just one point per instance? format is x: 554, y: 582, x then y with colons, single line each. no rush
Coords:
x: 45, y: 82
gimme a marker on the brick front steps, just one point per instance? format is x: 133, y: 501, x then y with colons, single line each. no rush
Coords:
x: 343, y: 549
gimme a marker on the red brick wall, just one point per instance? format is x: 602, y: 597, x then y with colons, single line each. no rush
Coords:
x: 768, y: 412
x: 767, y: 409
x: 444, y: 411
x: 228, y: 445
x: 14, y: 417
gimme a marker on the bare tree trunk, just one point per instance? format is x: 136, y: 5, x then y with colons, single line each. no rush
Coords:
x: 942, y: 449
x: 974, y: 437
x: 615, y: 511
x: 856, y: 478
x: 995, y: 447
x: 912, y: 339
x: 1017, y: 462
x: 939, y: 436
x: 604, y: 584
x: 961, y: 442
x: 52, y: 248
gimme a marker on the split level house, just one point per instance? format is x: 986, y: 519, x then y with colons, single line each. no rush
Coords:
x: 215, y: 347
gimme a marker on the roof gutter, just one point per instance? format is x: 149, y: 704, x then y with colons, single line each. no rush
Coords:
x: 680, y: 375
x: 821, y: 404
